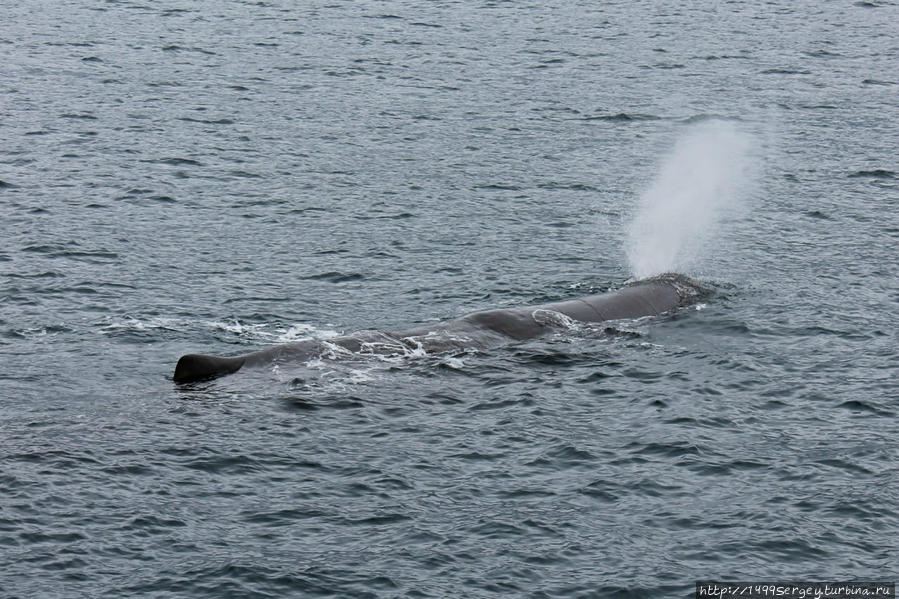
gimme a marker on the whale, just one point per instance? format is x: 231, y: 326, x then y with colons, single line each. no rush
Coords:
x: 476, y: 331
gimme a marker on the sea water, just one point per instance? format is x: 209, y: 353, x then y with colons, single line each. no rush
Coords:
x: 218, y: 177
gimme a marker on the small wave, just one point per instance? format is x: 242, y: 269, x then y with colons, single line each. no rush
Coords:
x: 822, y: 54
x: 569, y: 455
x: 497, y: 187
x: 152, y: 524
x: 725, y: 57
x: 255, y: 298
x: 245, y: 174
x: 335, y: 277
x: 149, y: 201
x: 878, y: 173
x: 846, y: 465
x: 398, y: 216
x: 546, y: 63
x: 281, y: 516
x: 780, y: 71
x: 622, y: 117
x: 175, y: 161
x: 668, y: 450
x: 730, y: 467
x: 603, y: 490
x: 48, y: 274
x: 59, y: 251
x: 545, y: 357
x: 223, y: 464
x: 36, y: 332
x: 552, y: 185
x: 175, y: 48
x: 453, y: 362
x: 870, y: 408
x: 225, y: 121
x: 129, y: 323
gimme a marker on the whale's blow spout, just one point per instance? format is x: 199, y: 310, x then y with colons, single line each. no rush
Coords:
x: 704, y: 180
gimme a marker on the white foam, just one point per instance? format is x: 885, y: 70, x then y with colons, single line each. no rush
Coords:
x: 301, y: 332
x: 236, y: 327
x: 137, y: 324
x: 552, y: 318
x: 453, y: 362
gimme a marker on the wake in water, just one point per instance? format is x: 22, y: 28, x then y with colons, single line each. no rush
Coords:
x: 704, y: 180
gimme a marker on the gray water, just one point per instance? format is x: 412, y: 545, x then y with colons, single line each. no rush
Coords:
x: 220, y: 176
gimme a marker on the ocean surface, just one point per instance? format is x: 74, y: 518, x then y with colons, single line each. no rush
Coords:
x: 216, y: 177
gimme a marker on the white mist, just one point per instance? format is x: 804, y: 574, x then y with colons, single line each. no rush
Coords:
x: 703, y: 181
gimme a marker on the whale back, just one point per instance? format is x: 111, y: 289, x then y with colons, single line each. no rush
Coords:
x: 489, y: 328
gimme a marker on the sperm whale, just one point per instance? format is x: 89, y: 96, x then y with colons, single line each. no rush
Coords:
x: 478, y: 330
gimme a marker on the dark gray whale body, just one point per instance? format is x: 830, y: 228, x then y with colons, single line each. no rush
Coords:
x: 479, y: 330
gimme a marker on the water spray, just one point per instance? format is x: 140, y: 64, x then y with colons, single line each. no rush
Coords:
x: 704, y: 180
